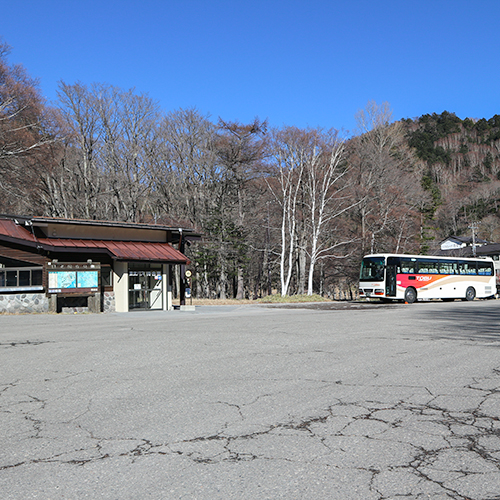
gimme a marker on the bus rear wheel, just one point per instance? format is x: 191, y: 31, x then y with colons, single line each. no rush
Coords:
x: 470, y: 294
x: 410, y: 295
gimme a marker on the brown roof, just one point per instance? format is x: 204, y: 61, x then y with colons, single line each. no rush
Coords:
x: 118, y: 250
x: 86, y: 222
x: 12, y: 231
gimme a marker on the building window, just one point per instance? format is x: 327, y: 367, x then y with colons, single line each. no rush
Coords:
x: 106, y: 276
x: 23, y: 278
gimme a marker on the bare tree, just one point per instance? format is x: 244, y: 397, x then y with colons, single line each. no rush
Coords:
x: 327, y: 198
x: 22, y: 110
x: 25, y: 129
x: 129, y: 129
x: 186, y: 170
x: 186, y: 182
x: 109, y: 146
x: 290, y: 155
x: 385, y: 179
x: 81, y: 112
x: 239, y: 148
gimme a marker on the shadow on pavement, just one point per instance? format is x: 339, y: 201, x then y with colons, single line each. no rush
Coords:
x: 335, y: 306
x: 470, y: 323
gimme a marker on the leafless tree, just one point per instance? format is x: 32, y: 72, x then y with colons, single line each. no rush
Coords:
x: 107, y: 160
x: 385, y: 179
x: 80, y: 110
x: 25, y: 130
x: 291, y: 154
x: 239, y: 149
x: 327, y: 198
x: 129, y: 129
x: 185, y: 169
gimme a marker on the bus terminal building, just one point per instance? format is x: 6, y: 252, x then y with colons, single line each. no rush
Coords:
x: 52, y: 264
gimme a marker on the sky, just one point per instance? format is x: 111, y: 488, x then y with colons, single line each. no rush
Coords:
x: 306, y: 63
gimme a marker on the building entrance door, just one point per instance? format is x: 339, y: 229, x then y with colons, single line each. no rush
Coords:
x: 145, y: 287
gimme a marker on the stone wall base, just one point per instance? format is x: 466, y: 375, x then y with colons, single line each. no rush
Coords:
x: 21, y: 303
x: 74, y: 310
x: 108, y: 304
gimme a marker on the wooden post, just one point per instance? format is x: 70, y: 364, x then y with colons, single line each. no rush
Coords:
x: 182, y: 291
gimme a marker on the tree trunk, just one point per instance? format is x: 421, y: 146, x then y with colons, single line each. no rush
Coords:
x: 240, y: 292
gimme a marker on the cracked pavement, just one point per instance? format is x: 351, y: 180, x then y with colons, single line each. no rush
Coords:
x: 253, y: 402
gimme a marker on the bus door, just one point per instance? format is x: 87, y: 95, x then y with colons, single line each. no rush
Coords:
x: 390, y: 276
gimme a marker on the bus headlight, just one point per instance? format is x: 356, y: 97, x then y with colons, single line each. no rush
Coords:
x: 379, y: 291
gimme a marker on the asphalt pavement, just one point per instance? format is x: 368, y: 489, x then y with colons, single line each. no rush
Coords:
x: 325, y: 401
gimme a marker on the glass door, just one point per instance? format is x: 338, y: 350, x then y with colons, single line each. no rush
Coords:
x: 145, y: 288
x: 390, y: 276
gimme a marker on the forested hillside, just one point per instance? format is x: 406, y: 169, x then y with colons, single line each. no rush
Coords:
x: 283, y: 210
x: 461, y: 172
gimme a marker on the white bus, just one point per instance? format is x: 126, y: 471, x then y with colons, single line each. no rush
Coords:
x: 413, y: 277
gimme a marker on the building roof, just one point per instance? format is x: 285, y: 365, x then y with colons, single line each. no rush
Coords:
x: 40, y: 220
x: 464, y: 239
x: 13, y: 232
x: 132, y: 225
x: 481, y: 250
x: 119, y: 250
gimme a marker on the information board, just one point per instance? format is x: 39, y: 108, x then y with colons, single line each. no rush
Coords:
x: 72, y: 278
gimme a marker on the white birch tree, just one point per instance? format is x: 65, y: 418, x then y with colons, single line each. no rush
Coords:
x: 290, y: 157
x: 327, y: 199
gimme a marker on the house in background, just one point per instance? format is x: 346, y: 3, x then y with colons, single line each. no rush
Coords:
x: 458, y: 242
x: 54, y: 264
x: 460, y: 246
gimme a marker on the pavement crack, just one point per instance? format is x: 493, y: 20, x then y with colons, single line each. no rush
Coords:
x: 232, y: 405
x: 25, y: 343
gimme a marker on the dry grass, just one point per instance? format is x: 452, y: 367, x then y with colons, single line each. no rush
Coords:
x: 270, y: 299
x: 214, y: 302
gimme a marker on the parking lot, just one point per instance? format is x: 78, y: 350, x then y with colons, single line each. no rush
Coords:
x: 336, y: 401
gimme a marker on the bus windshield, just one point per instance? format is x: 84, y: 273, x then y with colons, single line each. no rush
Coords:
x: 372, y: 269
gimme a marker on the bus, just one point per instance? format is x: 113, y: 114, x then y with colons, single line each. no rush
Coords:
x: 414, y: 277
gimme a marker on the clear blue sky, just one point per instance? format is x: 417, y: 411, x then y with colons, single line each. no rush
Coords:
x: 304, y: 63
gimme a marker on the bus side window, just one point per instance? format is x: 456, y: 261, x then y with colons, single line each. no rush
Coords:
x: 485, y: 269
x: 446, y: 268
x: 422, y: 268
x: 407, y: 267
x: 433, y: 268
x: 468, y: 268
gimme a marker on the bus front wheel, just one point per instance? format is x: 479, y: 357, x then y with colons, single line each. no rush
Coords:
x: 470, y: 294
x: 410, y: 295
